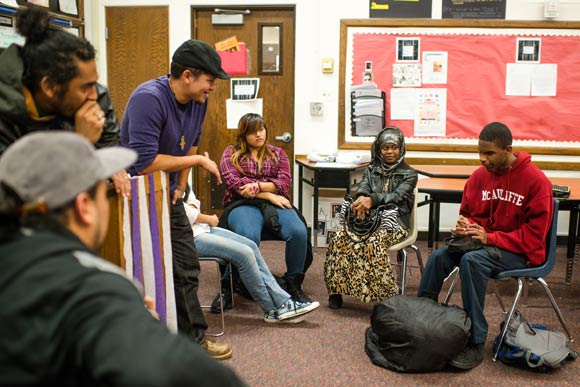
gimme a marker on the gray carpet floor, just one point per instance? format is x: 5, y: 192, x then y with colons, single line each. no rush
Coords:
x: 328, y: 348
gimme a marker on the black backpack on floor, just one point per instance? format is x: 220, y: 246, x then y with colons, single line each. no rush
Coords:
x: 415, y: 334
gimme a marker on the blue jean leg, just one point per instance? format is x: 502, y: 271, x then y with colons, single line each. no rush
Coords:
x: 438, y: 267
x: 248, y: 221
x: 295, y: 235
x: 475, y: 269
x: 245, y: 255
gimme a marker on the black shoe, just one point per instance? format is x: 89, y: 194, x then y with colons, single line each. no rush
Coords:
x: 469, y: 358
x: 294, y: 287
x: 227, y: 298
x: 300, y: 296
x: 335, y: 301
x: 281, y: 281
x: 241, y: 289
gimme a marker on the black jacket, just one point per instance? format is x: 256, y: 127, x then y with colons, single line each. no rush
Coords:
x: 15, y: 120
x: 271, y: 229
x: 400, y: 189
x: 69, y: 318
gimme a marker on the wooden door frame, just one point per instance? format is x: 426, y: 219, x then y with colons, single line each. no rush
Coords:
x: 288, y: 8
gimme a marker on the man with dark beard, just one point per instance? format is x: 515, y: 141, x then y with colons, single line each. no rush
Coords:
x: 51, y: 83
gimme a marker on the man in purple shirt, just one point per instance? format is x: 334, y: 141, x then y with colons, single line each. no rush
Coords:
x: 162, y: 123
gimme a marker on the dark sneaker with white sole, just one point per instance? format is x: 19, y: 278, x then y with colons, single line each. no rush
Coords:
x: 469, y: 358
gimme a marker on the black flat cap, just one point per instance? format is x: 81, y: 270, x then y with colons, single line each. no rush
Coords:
x: 200, y: 55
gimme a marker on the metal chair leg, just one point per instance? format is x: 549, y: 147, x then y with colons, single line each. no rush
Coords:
x: 219, y: 287
x: 219, y: 282
x: 509, y: 318
x: 231, y: 282
x: 555, y: 306
x: 419, y: 257
x: 455, y: 274
x: 403, y: 254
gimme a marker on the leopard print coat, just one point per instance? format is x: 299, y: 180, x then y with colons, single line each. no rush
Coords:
x: 361, y: 267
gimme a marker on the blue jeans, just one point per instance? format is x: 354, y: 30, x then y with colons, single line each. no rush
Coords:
x: 475, y: 269
x: 248, y: 221
x: 246, y: 257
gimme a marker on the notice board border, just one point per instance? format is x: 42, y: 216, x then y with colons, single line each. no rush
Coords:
x: 345, y: 24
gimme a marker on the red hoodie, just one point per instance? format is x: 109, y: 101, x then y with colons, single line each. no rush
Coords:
x: 514, y: 206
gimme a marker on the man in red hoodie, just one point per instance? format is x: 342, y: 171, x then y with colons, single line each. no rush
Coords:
x: 507, y: 206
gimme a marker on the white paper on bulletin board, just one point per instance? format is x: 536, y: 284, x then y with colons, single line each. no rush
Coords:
x: 8, y: 35
x: 236, y: 109
x: 68, y: 6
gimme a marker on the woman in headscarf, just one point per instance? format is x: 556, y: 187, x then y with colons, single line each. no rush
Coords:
x: 360, y: 267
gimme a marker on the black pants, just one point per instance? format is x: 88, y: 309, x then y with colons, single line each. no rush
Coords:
x: 190, y: 318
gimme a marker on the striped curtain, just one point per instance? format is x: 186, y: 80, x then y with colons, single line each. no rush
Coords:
x: 146, y: 242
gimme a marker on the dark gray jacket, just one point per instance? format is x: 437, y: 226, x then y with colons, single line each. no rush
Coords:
x: 15, y: 121
x: 68, y: 318
x: 400, y: 189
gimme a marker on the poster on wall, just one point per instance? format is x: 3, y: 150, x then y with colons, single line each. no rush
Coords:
x: 400, y: 9
x: 430, y: 113
x: 434, y: 67
x: 528, y: 50
x: 8, y: 35
x: 68, y: 6
x: 473, y: 9
x: 42, y: 3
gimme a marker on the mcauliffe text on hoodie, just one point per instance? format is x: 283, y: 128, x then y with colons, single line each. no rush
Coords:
x: 503, y: 195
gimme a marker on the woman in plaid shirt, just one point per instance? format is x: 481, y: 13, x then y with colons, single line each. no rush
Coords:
x: 258, y: 179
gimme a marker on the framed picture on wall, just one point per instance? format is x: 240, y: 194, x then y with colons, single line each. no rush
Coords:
x: 528, y: 50
x: 408, y: 49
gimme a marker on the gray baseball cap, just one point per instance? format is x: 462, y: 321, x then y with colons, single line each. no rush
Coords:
x: 53, y: 167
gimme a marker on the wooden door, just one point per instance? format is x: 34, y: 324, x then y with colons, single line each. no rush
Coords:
x: 137, y: 49
x: 276, y: 90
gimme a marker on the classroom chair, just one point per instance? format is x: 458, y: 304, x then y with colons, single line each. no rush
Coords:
x: 409, y: 242
x: 521, y: 275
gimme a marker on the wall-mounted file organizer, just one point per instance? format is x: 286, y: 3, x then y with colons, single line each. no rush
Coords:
x: 367, y: 112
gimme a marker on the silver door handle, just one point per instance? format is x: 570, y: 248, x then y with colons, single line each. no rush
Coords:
x: 285, y: 137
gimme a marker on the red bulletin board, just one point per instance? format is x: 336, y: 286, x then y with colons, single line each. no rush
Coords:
x: 476, y: 80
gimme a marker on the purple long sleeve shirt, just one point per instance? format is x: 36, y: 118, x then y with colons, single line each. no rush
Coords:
x: 155, y: 123
x: 276, y: 171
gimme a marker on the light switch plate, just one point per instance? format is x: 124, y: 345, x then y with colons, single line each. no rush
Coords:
x: 316, y: 108
x: 328, y: 65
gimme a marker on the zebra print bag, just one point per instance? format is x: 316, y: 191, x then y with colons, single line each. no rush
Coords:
x: 384, y: 216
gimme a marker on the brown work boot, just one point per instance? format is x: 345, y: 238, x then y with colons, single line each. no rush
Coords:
x: 219, y: 351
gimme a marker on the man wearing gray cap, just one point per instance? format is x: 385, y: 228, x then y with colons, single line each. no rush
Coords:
x: 68, y: 317
x: 162, y: 123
